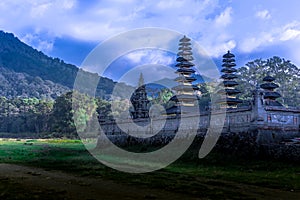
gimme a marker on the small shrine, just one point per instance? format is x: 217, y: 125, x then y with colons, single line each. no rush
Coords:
x: 140, y: 101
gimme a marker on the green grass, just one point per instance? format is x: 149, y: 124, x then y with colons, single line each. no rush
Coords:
x: 187, y: 175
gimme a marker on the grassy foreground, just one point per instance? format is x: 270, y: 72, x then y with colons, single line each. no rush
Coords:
x: 215, y: 177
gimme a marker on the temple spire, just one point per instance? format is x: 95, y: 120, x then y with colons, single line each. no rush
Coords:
x: 270, y: 95
x: 228, y: 77
x: 185, y: 89
x: 140, y: 100
x: 141, y: 80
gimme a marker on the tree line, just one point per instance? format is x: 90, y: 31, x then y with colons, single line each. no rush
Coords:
x: 63, y: 117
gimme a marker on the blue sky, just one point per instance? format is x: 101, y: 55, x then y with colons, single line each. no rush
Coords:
x: 70, y: 29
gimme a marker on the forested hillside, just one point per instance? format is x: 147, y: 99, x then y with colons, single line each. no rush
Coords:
x: 18, y: 84
x: 16, y: 56
x: 35, y: 97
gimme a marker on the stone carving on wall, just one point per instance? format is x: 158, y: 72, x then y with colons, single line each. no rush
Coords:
x: 281, y: 119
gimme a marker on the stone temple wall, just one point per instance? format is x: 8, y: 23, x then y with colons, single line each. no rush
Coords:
x: 272, y: 125
x: 244, y: 133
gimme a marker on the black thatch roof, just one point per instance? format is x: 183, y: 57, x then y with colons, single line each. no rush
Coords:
x: 185, y: 39
x: 185, y: 87
x: 228, y: 70
x: 228, y: 65
x: 230, y: 83
x: 269, y: 86
x: 229, y: 76
x: 228, y: 55
x: 228, y: 60
x: 185, y: 71
x: 269, y: 78
x: 185, y: 64
x: 229, y: 91
x: 271, y: 95
x: 183, y: 79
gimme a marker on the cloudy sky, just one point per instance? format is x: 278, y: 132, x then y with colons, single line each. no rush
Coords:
x: 70, y: 29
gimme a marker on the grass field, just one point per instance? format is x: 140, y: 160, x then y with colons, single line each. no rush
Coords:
x: 215, y: 177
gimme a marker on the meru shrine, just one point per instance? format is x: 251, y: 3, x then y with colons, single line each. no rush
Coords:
x: 264, y: 116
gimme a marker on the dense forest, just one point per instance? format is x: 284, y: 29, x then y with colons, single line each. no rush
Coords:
x: 33, y: 117
x: 18, y: 84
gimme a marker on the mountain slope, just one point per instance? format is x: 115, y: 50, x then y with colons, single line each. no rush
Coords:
x: 17, y: 84
x: 19, y: 57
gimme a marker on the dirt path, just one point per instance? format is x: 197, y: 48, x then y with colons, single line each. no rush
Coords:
x: 20, y: 182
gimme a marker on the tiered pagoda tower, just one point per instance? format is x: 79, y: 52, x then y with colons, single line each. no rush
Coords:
x: 269, y: 94
x: 228, y: 77
x: 185, y: 89
x: 140, y: 101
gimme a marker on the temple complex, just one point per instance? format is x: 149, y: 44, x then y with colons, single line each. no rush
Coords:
x: 264, y: 117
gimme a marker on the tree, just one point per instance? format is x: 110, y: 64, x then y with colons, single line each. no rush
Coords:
x: 204, y: 100
x: 62, y: 116
x: 163, y: 98
x: 84, y: 111
x: 103, y: 110
x: 287, y: 75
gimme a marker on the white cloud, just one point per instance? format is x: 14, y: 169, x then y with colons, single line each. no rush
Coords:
x: 150, y: 57
x: 136, y: 57
x: 217, y: 43
x: 101, y: 20
x: 39, y: 10
x: 68, y: 4
x: 170, y: 4
x: 224, y: 47
x: 252, y: 43
x: 224, y: 18
x: 45, y: 46
x: 148, y: 70
x: 274, y: 36
x: 35, y: 41
x: 294, y: 52
x: 290, y: 32
x: 263, y: 14
x: 216, y: 25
